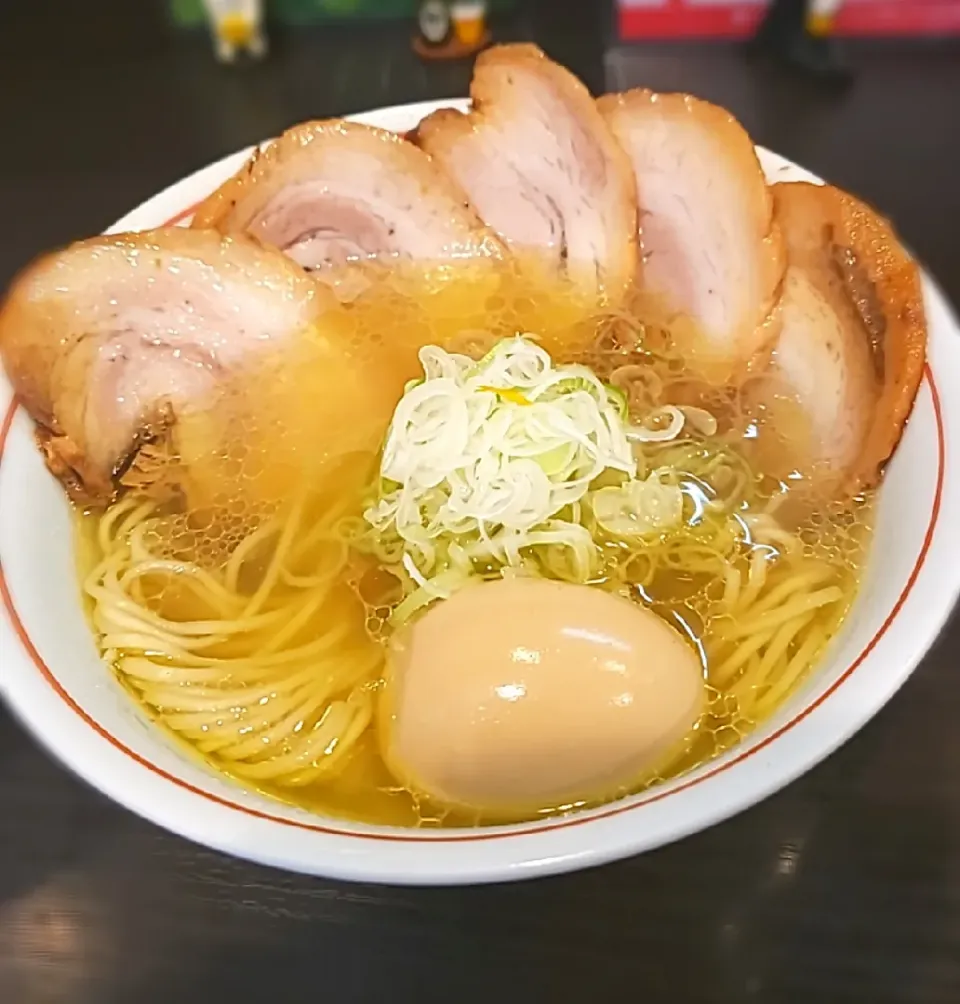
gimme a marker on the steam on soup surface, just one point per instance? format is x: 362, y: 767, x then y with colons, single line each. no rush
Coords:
x: 260, y: 585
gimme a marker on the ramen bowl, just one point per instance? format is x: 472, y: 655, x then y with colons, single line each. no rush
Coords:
x: 53, y: 679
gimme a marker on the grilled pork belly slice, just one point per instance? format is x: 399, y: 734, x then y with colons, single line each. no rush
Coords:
x: 538, y: 162
x: 712, y: 253
x: 108, y: 341
x: 853, y: 340
x: 334, y: 191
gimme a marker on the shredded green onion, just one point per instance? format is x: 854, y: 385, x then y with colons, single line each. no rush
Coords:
x: 638, y: 508
x: 486, y: 462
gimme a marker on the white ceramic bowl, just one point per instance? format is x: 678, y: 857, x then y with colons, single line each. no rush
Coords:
x: 53, y: 680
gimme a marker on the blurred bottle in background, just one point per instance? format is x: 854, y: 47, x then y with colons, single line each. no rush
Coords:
x: 801, y: 34
x: 237, y: 27
x: 435, y: 22
x: 451, y: 29
x: 822, y: 17
x: 469, y: 21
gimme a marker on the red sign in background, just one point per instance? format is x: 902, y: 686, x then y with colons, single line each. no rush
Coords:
x: 738, y: 18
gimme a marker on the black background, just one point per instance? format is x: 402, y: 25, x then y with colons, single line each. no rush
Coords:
x: 843, y: 888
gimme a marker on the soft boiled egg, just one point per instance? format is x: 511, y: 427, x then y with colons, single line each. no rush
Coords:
x: 523, y: 694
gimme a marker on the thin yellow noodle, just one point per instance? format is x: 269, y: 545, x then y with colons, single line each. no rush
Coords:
x: 249, y: 738
x: 208, y: 669
x: 135, y: 540
x: 778, y: 646
x: 244, y: 624
x: 269, y: 741
x: 185, y: 667
x: 360, y: 704
x: 731, y: 586
x: 140, y: 668
x: 774, y: 618
x: 775, y: 502
x: 187, y: 573
x: 776, y: 538
x: 182, y: 697
x: 296, y: 621
x: 765, y: 602
x: 214, y: 746
x: 263, y: 657
x: 352, y: 733
x: 184, y: 692
x: 113, y: 621
x: 132, y: 545
x: 276, y: 561
x: 252, y: 703
x: 128, y: 611
x: 794, y: 583
x: 309, y: 581
x: 728, y: 669
x: 159, y: 645
x: 320, y: 741
x: 799, y: 663
x: 747, y: 688
x: 214, y: 604
x: 265, y: 738
x: 753, y: 664
x: 330, y: 572
x: 243, y: 550
x: 288, y: 696
x: 321, y: 532
x: 756, y: 577
x: 234, y: 724
x: 339, y: 672
x: 273, y: 638
x: 107, y: 568
x: 114, y: 515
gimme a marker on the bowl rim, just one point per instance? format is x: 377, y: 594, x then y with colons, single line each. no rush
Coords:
x: 445, y: 864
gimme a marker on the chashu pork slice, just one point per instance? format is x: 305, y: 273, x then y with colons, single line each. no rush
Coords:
x: 330, y: 192
x: 711, y: 249
x: 107, y: 341
x: 853, y: 339
x: 538, y: 162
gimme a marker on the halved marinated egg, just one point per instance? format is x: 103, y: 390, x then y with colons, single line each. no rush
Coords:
x: 524, y: 694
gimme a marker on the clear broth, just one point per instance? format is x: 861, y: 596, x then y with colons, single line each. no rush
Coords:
x: 291, y: 422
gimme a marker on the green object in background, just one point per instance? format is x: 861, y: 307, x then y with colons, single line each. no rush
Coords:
x: 190, y: 13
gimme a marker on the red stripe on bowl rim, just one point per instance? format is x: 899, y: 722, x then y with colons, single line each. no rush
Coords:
x: 500, y: 833
x: 182, y: 215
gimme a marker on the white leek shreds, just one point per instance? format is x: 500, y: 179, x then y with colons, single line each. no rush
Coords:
x: 700, y: 419
x: 476, y: 449
x: 487, y: 463
x: 638, y: 508
x: 660, y: 426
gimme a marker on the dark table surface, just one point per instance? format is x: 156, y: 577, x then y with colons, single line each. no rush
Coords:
x: 843, y: 888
